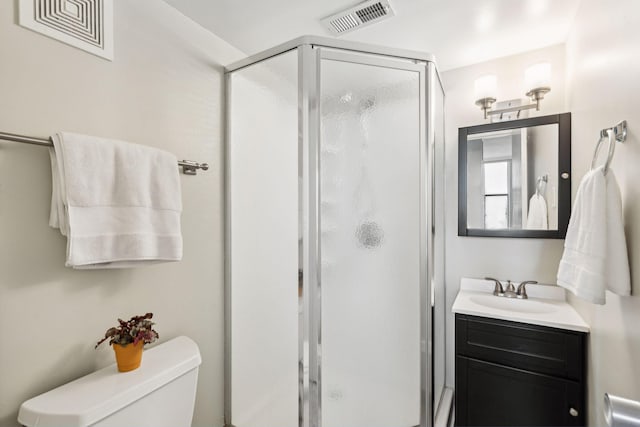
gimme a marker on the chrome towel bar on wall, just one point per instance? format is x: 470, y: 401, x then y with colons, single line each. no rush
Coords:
x: 617, y: 133
x: 189, y: 167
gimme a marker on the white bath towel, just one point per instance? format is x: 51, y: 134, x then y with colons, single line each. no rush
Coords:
x: 118, y: 203
x: 537, y: 215
x: 595, y: 251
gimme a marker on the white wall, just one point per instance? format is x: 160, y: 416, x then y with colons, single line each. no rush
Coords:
x: 515, y: 259
x: 603, y: 62
x: 164, y: 89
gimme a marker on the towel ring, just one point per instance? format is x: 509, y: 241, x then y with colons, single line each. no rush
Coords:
x: 612, y: 149
x: 540, y: 183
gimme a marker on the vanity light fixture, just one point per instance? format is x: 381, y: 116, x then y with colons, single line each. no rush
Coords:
x: 537, y: 77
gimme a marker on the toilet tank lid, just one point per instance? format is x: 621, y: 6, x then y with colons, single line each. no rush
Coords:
x: 91, y: 398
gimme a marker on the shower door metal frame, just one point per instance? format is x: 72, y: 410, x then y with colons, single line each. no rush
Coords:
x: 314, y: 320
x: 311, y: 50
x: 309, y: 362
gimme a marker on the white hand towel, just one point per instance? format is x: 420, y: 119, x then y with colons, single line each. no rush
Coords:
x: 537, y: 215
x: 119, y: 204
x: 595, y: 251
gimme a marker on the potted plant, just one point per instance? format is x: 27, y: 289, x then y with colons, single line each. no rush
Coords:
x: 128, y: 340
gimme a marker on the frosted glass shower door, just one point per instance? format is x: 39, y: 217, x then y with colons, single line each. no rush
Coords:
x: 372, y: 255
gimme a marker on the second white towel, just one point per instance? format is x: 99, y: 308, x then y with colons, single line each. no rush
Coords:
x: 595, y: 250
x: 537, y: 216
x: 118, y: 203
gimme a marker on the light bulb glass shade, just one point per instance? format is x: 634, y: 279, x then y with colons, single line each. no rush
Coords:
x: 485, y: 87
x: 537, y: 76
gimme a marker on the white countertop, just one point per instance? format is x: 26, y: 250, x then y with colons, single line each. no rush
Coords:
x: 546, y: 305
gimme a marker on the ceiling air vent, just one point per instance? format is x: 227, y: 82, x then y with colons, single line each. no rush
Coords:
x: 364, y: 14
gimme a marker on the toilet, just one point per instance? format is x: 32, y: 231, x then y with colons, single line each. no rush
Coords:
x: 161, y: 393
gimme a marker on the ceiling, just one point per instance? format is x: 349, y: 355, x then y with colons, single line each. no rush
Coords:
x: 457, y: 32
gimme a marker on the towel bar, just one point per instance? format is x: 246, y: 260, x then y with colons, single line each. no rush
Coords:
x: 189, y: 167
x: 618, y: 134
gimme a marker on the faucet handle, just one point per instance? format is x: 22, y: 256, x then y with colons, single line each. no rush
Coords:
x: 522, y: 290
x: 498, y: 290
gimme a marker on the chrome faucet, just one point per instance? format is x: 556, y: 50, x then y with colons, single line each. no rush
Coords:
x: 510, y: 291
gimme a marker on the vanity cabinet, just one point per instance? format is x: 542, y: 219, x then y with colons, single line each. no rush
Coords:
x: 517, y: 374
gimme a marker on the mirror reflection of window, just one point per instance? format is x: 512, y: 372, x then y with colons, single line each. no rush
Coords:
x: 496, y: 177
x: 502, y: 163
x: 496, y: 194
x: 496, y: 211
x: 515, y: 154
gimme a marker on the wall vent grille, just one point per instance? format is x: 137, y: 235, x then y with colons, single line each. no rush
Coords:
x: 85, y: 24
x: 372, y: 12
x: 366, y: 13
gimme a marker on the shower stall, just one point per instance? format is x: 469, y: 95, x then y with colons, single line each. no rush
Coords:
x: 334, y: 237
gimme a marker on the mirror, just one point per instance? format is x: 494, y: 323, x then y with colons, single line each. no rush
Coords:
x: 514, y: 178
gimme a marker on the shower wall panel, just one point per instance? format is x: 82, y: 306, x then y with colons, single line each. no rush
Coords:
x: 263, y: 243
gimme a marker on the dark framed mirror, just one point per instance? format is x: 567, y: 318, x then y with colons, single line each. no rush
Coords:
x: 514, y: 178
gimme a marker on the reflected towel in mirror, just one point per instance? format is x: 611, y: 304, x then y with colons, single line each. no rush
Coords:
x: 537, y: 215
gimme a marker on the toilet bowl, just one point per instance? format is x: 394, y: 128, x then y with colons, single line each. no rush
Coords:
x: 161, y: 393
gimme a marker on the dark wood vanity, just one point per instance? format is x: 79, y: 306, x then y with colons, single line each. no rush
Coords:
x: 517, y: 374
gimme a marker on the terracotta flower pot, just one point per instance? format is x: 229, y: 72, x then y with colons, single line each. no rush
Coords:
x: 128, y: 357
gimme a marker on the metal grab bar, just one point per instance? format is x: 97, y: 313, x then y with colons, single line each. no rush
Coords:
x: 189, y: 167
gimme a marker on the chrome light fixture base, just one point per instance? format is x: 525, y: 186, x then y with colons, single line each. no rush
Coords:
x: 485, y: 104
x: 538, y: 93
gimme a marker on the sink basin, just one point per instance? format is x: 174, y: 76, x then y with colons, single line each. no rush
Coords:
x: 546, y: 305
x: 513, y: 304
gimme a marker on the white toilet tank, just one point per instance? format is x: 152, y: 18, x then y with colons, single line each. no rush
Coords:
x: 161, y: 393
